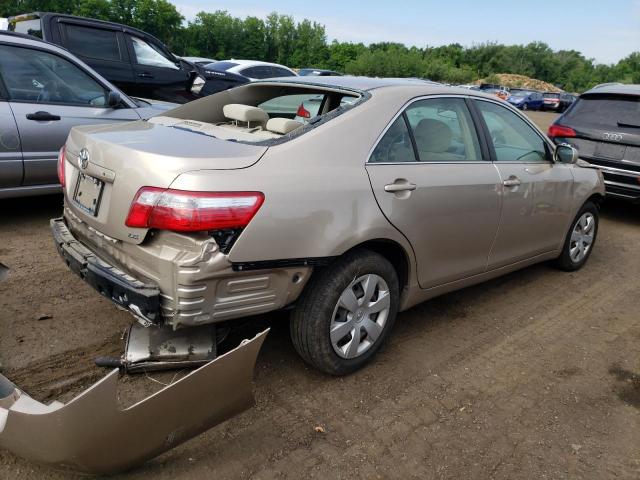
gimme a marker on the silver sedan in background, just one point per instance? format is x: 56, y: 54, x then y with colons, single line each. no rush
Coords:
x: 45, y: 91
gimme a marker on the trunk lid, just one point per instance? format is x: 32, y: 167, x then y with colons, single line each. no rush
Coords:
x: 129, y: 156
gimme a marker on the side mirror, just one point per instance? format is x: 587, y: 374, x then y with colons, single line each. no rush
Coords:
x: 113, y: 99
x: 565, y: 153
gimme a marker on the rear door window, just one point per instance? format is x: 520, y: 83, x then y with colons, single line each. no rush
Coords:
x: 93, y: 42
x: 396, y: 145
x: 443, y: 130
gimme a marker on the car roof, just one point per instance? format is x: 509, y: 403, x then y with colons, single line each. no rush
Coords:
x: 401, y: 86
x: 245, y: 63
x: 616, y: 89
x: 357, y: 83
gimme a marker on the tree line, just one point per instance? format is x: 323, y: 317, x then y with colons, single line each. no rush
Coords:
x: 280, y: 39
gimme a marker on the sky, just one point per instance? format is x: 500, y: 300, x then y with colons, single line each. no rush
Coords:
x: 605, y: 30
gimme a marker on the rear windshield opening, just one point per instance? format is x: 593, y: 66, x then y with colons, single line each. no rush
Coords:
x: 260, y: 112
x: 620, y: 111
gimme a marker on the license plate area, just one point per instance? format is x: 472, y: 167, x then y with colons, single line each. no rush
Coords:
x: 88, y: 193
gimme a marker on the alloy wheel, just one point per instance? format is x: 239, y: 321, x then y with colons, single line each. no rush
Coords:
x: 360, y: 316
x: 582, y: 237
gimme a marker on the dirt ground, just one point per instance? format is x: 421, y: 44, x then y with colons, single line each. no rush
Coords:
x: 533, y: 375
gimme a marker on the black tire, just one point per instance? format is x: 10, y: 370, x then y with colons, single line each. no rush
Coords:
x: 564, y: 261
x: 312, y: 316
x: 525, y: 107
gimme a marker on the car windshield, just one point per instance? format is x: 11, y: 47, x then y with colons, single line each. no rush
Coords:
x: 521, y: 94
x: 551, y: 95
x: 221, y: 66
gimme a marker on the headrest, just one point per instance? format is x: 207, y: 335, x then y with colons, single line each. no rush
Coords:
x: 282, y: 125
x: 245, y: 113
x: 432, y: 136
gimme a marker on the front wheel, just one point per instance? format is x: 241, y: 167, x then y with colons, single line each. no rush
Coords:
x: 580, y: 239
x: 525, y: 107
x: 346, y: 313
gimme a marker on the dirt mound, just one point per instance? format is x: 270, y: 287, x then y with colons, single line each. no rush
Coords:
x: 521, y: 81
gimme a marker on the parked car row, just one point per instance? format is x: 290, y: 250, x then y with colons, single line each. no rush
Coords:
x: 526, y: 99
x: 140, y: 64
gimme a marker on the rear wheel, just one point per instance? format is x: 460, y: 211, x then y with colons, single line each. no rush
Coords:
x: 580, y: 239
x: 346, y: 313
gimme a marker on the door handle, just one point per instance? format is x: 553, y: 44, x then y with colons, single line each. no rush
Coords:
x: 400, y: 186
x: 512, y: 182
x: 145, y: 75
x: 42, y: 116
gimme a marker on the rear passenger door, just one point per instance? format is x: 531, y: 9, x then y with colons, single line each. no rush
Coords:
x: 536, y: 192
x: 103, y: 49
x: 433, y: 181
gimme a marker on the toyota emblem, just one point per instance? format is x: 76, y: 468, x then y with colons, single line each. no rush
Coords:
x: 83, y: 159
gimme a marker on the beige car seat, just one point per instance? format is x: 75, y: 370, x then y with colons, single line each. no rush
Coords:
x: 433, y: 140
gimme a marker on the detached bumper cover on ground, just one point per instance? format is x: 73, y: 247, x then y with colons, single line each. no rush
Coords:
x: 93, y: 434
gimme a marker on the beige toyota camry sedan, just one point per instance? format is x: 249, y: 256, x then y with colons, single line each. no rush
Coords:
x: 343, y: 199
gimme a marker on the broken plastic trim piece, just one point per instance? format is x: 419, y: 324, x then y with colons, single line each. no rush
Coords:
x: 91, y: 434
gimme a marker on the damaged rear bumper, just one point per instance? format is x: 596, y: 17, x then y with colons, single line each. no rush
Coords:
x: 92, y: 434
x: 142, y: 299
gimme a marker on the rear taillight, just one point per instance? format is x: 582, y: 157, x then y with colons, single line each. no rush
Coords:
x: 61, y: 177
x: 561, y: 131
x: 183, y: 211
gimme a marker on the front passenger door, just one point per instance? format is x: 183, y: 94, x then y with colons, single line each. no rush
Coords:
x: 432, y: 182
x: 536, y: 192
x: 157, y: 76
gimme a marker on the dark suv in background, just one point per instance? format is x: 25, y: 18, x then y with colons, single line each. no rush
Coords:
x: 138, y: 63
x: 135, y: 61
x: 604, y: 125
